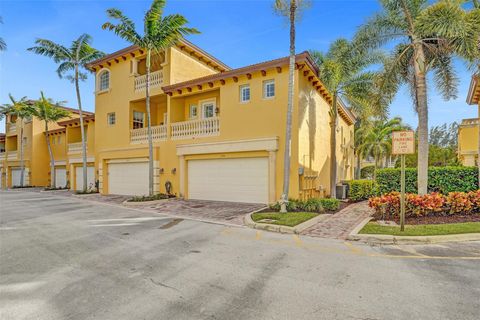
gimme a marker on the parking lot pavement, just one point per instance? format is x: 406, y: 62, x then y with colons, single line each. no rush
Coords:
x: 65, y: 258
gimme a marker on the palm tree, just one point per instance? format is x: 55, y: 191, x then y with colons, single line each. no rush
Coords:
x: 21, y: 110
x: 377, y: 140
x: 160, y: 33
x: 342, y: 69
x: 46, y: 110
x: 73, y: 59
x: 3, y: 45
x: 291, y: 9
x: 424, y: 40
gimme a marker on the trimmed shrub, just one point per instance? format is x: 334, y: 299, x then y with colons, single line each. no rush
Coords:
x: 318, y: 205
x: 361, y: 189
x: 387, y: 206
x: 440, y: 179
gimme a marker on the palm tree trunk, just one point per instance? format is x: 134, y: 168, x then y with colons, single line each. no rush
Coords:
x: 288, y: 129
x: 422, y: 111
x: 22, y: 163
x: 359, y: 170
x: 375, y: 168
x: 52, y: 160
x: 333, y: 148
x: 82, y: 132
x: 149, y: 128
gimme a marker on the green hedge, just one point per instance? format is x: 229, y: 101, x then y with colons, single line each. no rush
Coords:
x: 361, y: 189
x: 311, y: 205
x: 440, y: 179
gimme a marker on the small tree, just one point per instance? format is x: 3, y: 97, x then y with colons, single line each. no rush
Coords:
x: 291, y: 9
x: 3, y: 45
x: 46, y: 110
x: 21, y: 110
x: 73, y: 59
x: 160, y: 33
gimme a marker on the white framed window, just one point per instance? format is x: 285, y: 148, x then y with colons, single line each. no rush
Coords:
x: 192, y: 111
x: 268, y: 89
x: 245, y: 93
x: 111, y: 118
x: 138, y: 119
x: 208, y: 109
x: 104, y: 80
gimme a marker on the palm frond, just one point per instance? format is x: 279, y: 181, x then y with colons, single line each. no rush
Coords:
x: 51, y: 49
x: 124, y: 29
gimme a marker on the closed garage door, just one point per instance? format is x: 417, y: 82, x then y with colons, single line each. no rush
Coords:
x: 128, y: 178
x: 60, y: 177
x: 237, y: 180
x: 79, y: 178
x: 16, y: 174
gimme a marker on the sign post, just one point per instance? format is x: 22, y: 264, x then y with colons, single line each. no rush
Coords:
x: 403, y: 142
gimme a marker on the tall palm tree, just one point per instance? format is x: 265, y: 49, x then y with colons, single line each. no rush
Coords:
x: 423, y: 41
x: 46, y: 110
x: 378, y: 140
x: 21, y: 110
x: 3, y: 45
x: 343, y: 71
x: 160, y: 33
x: 73, y: 59
x: 292, y: 10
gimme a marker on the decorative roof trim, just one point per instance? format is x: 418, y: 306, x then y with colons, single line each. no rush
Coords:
x: 76, y: 121
x: 473, y: 96
x: 216, y: 63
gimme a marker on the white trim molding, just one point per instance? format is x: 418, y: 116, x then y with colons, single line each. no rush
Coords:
x: 79, y: 160
x: 127, y: 160
x: 262, y: 144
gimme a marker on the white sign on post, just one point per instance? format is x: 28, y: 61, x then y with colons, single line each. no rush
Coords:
x: 403, y: 142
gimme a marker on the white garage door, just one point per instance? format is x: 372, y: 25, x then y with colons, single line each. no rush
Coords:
x: 79, y: 178
x: 16, y: 174
x: 128, y: 178
x: 60, y: 177
x: 237, y: 180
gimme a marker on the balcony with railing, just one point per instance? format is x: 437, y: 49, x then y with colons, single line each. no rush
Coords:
x: 195, y: 128
x: 156, y: 80
x: 12, y: 155
x: 470, y: 122
x: 75, y: 148
x: 11, y: 127
x: 2, y: 155
x: 139, y: 136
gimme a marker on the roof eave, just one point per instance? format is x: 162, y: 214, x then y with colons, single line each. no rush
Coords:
x: 472, y: 98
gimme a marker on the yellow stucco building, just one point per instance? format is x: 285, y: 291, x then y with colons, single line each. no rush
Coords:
x: 35, y: 152
x: 468, y: 132
x: 219, y: 133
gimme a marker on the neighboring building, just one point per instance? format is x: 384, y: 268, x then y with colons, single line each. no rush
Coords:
x: 468, y: 131
x: 219, y: 134
x: 36, y: 158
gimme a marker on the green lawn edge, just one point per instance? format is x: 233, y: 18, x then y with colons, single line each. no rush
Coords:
x: 422, y: 230
x: 289, y: 219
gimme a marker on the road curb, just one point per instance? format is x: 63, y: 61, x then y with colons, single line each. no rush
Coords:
x: 284, y: 229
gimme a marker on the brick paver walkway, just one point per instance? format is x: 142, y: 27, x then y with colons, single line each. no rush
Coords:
x: 340, y: 225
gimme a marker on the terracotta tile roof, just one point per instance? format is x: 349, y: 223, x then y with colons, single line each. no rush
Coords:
x: 76, y: 121
x: 182, y: 44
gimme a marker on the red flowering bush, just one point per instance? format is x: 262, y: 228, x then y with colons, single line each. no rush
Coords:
x: 387, y: 206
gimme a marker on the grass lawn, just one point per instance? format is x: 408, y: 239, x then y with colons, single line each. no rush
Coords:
x: 289, y: 219
x: 422, y: 230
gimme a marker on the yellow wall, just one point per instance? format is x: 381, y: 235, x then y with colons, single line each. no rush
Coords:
x: 468, y: 142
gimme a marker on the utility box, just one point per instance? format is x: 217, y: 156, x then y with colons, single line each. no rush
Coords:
x: 342, y: 191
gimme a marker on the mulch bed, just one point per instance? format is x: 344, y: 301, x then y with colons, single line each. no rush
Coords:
x: 343, y: 205
x: 440, y: 219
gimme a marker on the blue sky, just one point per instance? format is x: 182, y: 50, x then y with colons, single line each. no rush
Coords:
x: 237, y: 32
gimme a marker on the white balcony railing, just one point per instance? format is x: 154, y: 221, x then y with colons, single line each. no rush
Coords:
x: 12, y: 155
x: 159, y: 133
x: 196, y: 128
x: 156, y: 79
x: 12, y: 127
x: 469, y: 122
x: 2, y: 156
x: 74, y: 148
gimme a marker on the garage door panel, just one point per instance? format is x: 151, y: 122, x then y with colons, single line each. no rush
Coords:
x: 16, y: 174
x: 60, y: 177
x: 79, y: 178
x: 128, y: 178
x: 238, y: 180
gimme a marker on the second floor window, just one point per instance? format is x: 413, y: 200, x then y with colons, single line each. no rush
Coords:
x: 138, y: 119
x: 111, y: 118
x: 208, y: 109
x: 245, y: 93
x: 268, y: 89
x: 193, y: 111
x: 104, y: 80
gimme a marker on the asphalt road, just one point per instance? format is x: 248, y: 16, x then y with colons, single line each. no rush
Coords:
x: 65, y: 258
